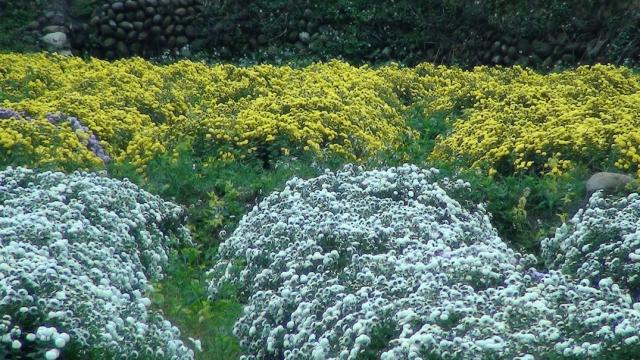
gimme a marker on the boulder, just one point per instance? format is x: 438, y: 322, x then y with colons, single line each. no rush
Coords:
x: 54, y: 29
x: 185, y: 51
x: 33, y: 25
x: 181, y: 41
x: 57, y: 40
x: 117, y: 6
x: 131, y: 5
x: 304, y: 37
x: 55, y: 18
x: 541, y: 48
x: 607, y: 181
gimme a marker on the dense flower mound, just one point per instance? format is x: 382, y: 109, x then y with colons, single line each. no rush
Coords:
x: 76, y: 256
x: 138, y: 109
x: 61, y: 137
x: 519, y: 120
x: 600, y: 242
x: 384, y: 264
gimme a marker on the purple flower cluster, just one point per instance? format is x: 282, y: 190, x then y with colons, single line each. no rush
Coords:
x: 9, y: 114
x: 56, y: 118
x: 93, y: 144
x: 538, y: 276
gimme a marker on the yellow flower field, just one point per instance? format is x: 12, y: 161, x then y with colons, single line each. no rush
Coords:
x: 546, y: 123
x: 506, y: 119
x: 137, y: 109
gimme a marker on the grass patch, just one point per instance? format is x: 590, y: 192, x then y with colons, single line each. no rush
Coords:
x: 183, y: 299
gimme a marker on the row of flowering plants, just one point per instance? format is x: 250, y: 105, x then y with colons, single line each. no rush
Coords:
x: 137, y: 109
x: 511, y: 120
x: 602, y: 241
x: 77, y: 255
x: 385, y: 264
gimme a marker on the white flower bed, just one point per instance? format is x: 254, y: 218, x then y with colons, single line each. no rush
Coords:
x: 76, y: 254
x: 601, y: 241
x: 383, y: 264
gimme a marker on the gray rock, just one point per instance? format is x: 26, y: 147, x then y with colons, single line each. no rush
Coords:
x: 185, y: 51
x: 181, y: 41
x: 55, y: 17
x: 122, y: 49
x: 607, y: 181
x: 109, y: 42
x: 171, y: 42
x: 127, y: 26
x: 541, y: 48
x: 57, y: 40
x: 106, y: 29
x: 54, y: 28
x: 304, y: 37
x: 131, y: 5
x: 33, y: 25
x: 121, y: 34
x: 117, y: 6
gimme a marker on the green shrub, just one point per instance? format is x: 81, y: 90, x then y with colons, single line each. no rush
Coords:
x: 14, y: 17
x: 445, y: 31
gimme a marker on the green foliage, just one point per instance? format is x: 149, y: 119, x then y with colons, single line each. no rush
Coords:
x: 183, y: 299
x: 380, y: 337
x: 444, y: 31
x: 82, y: 8
x: 416, y: 151
x: 14, y: 17
x: 356, y: 30
x: 216, y: 194
x: 527, y: 208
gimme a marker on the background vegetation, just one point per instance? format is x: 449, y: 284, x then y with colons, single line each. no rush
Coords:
x: 444, y: 31
x: 545, y: 34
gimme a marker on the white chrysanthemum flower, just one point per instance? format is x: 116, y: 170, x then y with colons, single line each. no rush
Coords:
x: 601, y: 241
x: 52, y: 354
x: 59, y: 342
x: 385, y: 262
x: 197, y: 344
x: 87, y: 247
